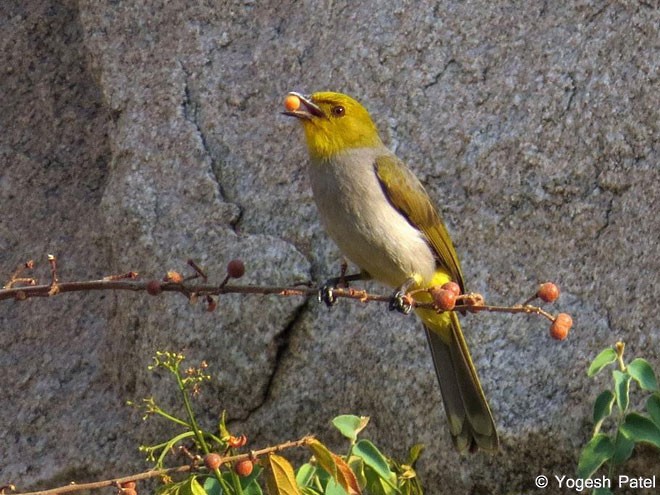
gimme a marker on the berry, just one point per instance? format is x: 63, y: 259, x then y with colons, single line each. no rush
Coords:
x: 444, y: 299
x: 244, y: 468
x: 561, y: 326
x: 235, y: 269
x: 154, y: 288
x: 452, y: 287
x: 548, y: 292
x: 212, y: 461
x: 291, y: 103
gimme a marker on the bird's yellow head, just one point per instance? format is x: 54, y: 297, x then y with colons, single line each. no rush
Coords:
x: 333, y: 123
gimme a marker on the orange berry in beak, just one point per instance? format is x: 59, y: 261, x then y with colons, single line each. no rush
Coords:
x: 291, y: 103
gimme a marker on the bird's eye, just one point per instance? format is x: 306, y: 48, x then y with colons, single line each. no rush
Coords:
x: 338, y: 111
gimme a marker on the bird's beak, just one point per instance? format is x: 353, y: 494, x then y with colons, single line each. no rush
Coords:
x: 307, y: 110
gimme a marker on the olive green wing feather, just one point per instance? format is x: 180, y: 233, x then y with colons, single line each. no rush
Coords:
x: 408, y: 196
x: 470, y: 419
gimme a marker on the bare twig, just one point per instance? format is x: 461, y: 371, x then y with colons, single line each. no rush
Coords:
x: 197, y: 269
x: 16, y: 279
x: 53, y: 289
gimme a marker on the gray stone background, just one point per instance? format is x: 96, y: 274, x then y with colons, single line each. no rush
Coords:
x: 138, y: 134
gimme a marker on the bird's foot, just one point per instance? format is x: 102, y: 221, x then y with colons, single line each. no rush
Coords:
x: 326, y: 292
x: 401, y: 301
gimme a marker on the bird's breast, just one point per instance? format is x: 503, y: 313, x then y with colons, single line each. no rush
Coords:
x: 363, y: 223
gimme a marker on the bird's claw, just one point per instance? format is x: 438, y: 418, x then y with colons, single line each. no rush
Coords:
x: 400, y: 302
x: 326, y: 295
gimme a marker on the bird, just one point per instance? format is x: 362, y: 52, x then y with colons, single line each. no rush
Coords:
x: 382, y: 219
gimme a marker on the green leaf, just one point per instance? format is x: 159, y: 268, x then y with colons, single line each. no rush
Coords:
x: 606, y: 357
x: 641, y: 429
x: 602, y: 408
x: 623, y: 448
x: 334, y: 488
x: 305, y: 475
x: 643, y: 374
x: 212, y: 487
x: 373, y: 458
x: 621, y: 389
x: 597, y: 451
x: 602, y: 491
x: 350, y: 426
x: 653, y: 407
x: 377, y: 485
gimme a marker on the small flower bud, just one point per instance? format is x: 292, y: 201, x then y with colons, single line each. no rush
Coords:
x: 174, y: 277
x: 236, y: 442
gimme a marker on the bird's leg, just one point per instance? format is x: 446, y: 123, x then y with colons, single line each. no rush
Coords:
x: 398, y: 301
x: 326, y: 291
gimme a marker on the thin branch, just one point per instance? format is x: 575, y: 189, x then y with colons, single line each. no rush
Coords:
x: 75, y: 487
x: 156, y: 473
x: 110, y: 283
x: 21, y: 289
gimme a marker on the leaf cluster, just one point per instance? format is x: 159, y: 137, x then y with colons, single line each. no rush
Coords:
x: 617, y: 427
x: 364, y: 469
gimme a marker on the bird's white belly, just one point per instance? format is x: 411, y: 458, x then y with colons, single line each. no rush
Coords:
x: 363, y: 223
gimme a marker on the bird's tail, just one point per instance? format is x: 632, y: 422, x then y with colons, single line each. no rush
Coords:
x: 470, y: 420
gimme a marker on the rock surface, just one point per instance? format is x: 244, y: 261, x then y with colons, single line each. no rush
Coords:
x: 136, y: 135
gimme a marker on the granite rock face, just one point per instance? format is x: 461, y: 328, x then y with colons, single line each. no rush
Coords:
x: 138, y: 134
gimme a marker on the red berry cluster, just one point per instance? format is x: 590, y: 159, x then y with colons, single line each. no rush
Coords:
x: 563, y: 322
x: 445, y: 297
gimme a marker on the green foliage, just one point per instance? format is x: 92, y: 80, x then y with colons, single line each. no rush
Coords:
x: 624, y: 428
x: 363, y: 470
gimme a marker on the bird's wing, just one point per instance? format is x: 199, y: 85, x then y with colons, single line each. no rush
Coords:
x: 408, y: 196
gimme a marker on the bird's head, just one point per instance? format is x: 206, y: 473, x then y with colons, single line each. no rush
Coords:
x: 333, y: 123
